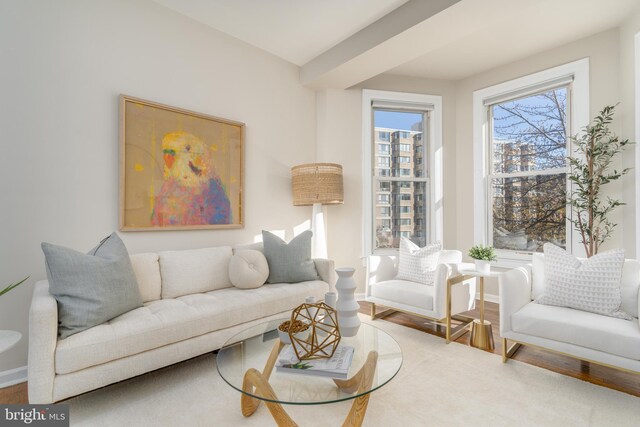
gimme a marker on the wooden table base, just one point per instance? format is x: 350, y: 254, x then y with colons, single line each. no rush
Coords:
x: 256, y: 383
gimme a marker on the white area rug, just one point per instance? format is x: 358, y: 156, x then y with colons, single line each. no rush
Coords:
x: 438, y: 385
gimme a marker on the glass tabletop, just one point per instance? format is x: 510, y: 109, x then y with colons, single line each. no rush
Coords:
x: 251, y: 349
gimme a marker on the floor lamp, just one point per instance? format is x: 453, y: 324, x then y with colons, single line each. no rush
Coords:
x: 317, y: 184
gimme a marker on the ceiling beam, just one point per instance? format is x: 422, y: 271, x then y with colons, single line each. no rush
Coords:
x: 375, y: 49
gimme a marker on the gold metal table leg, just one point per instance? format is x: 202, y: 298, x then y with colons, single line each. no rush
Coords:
x: 257, y: 383
x: 481, y: 333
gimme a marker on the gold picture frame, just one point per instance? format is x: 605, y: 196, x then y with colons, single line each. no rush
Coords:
x: 179, y: 170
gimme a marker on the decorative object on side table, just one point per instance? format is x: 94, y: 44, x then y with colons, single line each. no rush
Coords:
x: 347, y: 305
x: 595, y: 150
x: 322, y: 320
x: 483, y: 256
x: 317, y: 184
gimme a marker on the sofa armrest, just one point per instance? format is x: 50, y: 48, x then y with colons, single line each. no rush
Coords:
x: 515, y: 293
x: 327, y: 271
x: 43, y: 337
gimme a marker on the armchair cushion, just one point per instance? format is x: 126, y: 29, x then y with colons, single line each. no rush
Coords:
x: 404, y: 292
x: 591, y: 285
x: 418, y: 264
x: 607, y: 334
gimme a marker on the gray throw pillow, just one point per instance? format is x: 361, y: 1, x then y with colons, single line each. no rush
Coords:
x: 91, y: 288
x: 289, y: 263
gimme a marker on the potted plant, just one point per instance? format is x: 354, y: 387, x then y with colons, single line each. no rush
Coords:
x: 12, y: 286
x: 595, y: 149
x: 483, y: 256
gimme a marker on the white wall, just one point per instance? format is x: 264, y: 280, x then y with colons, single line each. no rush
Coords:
x: 628, y: 30
x: 64, y: 64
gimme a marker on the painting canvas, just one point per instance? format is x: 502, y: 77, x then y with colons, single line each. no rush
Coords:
x: 178, y: 169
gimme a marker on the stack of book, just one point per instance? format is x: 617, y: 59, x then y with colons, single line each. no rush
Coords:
x: 335, y: 367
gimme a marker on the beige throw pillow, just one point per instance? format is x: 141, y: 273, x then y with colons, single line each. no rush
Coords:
x: 248, y: 269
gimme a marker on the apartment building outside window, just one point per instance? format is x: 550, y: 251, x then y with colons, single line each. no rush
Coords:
x: 412, y: 178
x: 401, y: 187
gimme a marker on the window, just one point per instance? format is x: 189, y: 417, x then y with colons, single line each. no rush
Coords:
x: 528, y: 173
x: 383, y: 161
x: 404, y: 116
x: 383, y: 136
x: 385, y: 211
x: 384, y: 148
x: 522, y: 127
x: 383, y: 198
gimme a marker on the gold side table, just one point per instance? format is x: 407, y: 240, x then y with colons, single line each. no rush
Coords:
x: 481, y: 333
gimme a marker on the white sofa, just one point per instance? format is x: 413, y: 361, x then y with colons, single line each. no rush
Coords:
x: 162, y: 332
x: 429, y: 301
x: 583, y: 335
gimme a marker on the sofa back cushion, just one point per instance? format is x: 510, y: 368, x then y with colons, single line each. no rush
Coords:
x: 629, y: 285
x: 249, y: 247
x: 194, y: 271
x: 147, y: 270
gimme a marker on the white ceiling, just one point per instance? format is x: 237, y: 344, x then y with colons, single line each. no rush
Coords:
x: 464, y: 39
x: 520, y: 28
x: 295, y: 30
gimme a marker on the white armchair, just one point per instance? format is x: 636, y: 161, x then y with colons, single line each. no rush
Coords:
x: 428, y: 301
x: 579, y: 334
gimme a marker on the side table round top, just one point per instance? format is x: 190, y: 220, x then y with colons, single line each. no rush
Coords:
x: 8, y: 339
x: 474, y: 272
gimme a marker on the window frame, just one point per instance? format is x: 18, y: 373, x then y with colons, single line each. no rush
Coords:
x: 433, y: 151
x: 578, y: 115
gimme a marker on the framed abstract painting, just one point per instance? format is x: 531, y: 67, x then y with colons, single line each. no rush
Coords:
x: 179, y: 169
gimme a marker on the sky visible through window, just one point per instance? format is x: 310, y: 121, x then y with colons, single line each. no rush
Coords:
x: 396, y: 119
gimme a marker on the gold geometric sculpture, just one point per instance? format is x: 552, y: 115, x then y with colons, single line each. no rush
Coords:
x: 324, y: 336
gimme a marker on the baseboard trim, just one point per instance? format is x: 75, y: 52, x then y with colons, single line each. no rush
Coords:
x: 489, y: 298
x: 13, y: 376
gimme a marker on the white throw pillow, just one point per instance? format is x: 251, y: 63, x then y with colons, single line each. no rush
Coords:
x: 248, y: 269
x: 592, y: 284
x: 418, y: 264
x: 194, y: 271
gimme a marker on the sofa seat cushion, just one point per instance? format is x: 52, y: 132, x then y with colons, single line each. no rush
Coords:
x: 404, y: 292
x: 167, y: 321
x: 607, y: 334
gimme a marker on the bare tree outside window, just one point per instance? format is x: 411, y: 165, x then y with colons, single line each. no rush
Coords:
x: 529, y: 171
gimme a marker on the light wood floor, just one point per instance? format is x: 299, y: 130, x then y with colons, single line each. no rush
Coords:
x: 600, y: 375
x: 596, y: 374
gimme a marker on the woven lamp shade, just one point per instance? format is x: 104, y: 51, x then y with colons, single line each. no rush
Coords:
x: 317, y: 183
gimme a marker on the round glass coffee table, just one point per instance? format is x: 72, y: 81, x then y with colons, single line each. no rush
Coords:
x: 246, y: 363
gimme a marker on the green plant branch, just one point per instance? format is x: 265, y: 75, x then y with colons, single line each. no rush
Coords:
x: 13, y: 286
